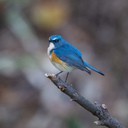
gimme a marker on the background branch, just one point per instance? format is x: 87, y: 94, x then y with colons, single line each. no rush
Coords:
x: 96, y: 109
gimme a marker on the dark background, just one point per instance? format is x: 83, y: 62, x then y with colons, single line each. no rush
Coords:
x: 99, y: 29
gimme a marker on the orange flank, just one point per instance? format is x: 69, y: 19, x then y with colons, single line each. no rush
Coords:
x: 62, y: 66
x: 54, y: 58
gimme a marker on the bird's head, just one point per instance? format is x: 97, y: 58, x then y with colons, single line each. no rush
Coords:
x: 56, y: 40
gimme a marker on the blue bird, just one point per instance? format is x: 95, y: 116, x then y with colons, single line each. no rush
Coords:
x: 66, y: 57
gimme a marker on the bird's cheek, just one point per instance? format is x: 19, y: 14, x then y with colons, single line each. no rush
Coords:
x: 51, y: 46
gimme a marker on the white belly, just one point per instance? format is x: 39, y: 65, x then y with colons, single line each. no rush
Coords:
x: 63, y: 67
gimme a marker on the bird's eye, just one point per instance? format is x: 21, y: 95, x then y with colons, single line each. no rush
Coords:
x: 57, y: 40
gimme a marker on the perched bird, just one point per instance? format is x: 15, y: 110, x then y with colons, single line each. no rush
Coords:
x: 66, y: 57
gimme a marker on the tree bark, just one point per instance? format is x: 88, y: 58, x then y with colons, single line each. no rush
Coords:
x: 100, y: 111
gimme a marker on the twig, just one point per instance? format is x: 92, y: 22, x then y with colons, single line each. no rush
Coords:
x: 101, y: 111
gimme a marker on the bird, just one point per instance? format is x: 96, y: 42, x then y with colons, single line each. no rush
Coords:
x: 66, y: 57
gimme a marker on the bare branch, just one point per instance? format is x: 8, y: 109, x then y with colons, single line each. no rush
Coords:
x: 101, y: 111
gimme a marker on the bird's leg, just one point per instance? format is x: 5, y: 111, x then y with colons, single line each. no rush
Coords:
x: 59, y: 73
x: 67, y: 77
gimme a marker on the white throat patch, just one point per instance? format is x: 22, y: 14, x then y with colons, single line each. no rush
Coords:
x: 51, y: 47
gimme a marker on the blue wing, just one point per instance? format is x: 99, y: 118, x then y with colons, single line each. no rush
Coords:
x: 72, y: 56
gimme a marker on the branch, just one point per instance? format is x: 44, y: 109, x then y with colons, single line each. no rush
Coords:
x: 101, y: 111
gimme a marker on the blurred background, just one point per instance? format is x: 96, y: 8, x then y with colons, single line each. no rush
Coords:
x: 99, y: 29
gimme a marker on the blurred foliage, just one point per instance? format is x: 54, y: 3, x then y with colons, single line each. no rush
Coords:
x: 97, y: 28
x: 49, y: 15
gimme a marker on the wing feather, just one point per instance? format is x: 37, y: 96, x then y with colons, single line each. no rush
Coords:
x: 72, y: 56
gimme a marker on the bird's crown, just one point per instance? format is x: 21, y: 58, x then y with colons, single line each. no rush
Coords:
x: 54, y: 38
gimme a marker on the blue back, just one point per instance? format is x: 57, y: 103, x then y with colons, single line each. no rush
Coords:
x: 70, y: 55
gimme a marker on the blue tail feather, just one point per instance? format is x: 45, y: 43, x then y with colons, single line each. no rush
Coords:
x: 90, y: 67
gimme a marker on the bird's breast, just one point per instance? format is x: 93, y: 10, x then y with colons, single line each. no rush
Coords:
x: 61, y: 65
x: 54, y: 58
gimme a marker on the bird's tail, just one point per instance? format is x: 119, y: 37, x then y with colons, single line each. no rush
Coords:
x: 96, y: 70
